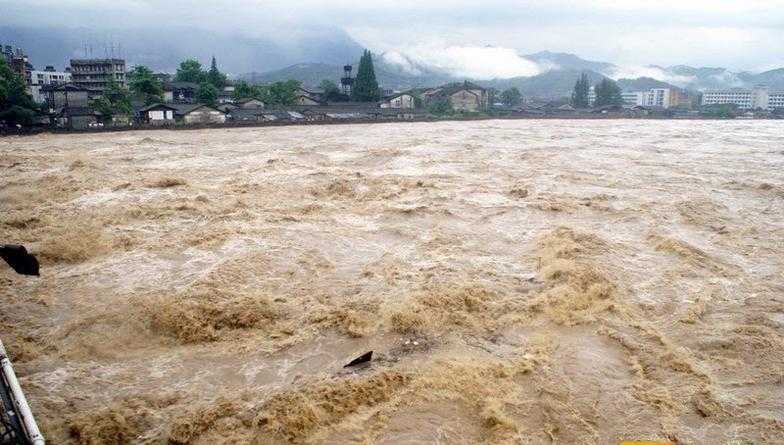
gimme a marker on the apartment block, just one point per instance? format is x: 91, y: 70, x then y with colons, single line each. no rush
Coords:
x: 96, y: 73
x: 745, y: 99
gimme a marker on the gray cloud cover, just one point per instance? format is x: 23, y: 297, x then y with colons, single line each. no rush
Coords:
x: 737, y: 34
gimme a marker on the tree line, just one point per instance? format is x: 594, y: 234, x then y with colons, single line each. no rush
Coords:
x: 16, y: 105
x: 607, y: 93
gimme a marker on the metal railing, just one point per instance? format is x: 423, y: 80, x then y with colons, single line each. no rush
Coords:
x: 17, y: 425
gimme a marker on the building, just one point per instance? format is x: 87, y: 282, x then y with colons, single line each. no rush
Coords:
x: 57, y: 96
x: 157, y: 114
x: 77, y: 118
x: 7, y: 53
x: 96, y: 73
x: 776, y: 100
x: 48, y: 76
x: 18, y: 61
x: 226, y: 95
x: 657, y: 98
x: 400, y: 100
x: 631, y: 98
x: 466, y: 96
x: 198, y: 114
x: 745, y: 99
x: 180, y: 92
x: 163, y: 77
x: 250, y: 103
x: 246, y: 114
x: 308, y: 97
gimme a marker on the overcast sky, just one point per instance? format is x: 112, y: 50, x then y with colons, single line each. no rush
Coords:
x: 745, y: 34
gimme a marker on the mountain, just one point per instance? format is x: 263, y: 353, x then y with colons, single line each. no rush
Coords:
x: 773, y: 79
x: 568, y: 61
x: 642, y: 83
x: 716, y: 77
x: 399, y: 72
x: 391, y: 76
x: 551, y: 84
x: 316, y: 53
x: 163, y: 48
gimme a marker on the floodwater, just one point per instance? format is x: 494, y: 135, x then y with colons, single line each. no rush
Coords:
x: 518, y: 281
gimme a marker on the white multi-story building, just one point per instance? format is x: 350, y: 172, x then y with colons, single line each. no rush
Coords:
x: 658, y: 97
x: 776, y: 100
x: 745, y: 99
x: 655, y: 97
x: 633, y: 98
x: 48, y: 76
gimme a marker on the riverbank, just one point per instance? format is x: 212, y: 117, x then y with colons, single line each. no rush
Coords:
x: 586, y: 116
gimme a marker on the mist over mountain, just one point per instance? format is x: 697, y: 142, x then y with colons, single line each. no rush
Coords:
x: 314, y: 53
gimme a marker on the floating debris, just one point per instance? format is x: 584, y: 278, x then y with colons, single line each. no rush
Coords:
x: 364, y: 358
x: 17, y: 257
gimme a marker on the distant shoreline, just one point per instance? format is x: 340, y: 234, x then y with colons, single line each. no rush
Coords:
x: 366, y: 121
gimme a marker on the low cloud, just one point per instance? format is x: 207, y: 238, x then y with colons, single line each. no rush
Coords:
x: 402, y: 62
x: 728, y: 78
x: 633, y: 72
x: 475, y: 62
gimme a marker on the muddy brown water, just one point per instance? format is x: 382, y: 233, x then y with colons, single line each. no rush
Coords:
x: 520, y: 282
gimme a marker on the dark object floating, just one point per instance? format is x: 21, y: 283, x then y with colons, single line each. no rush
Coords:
x: 17, y: 257
x: 364, y: 358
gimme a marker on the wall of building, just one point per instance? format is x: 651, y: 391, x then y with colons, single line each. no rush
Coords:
x: 255, y: 103
x: 204, y: 116
x: 741, y: 98
x: 70, y: 98
x: 95, y: 73
x: 41, y: 78
x: 403, y: 101
x: 776, y: 100
x: 305, y: 100
x: 81, y: 122
x: 465, y: 100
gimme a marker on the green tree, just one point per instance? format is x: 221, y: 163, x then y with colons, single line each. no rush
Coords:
x: 16, y: 105
x: 118, y: 97
x: 215, y: 77
x: 244, y: 90
x: 441, y: 107
x: 720, y: 111
x: 207, y: 93
x: 102, y: 105
x: 581, y: 90
x: 114, y: 100
x: 365, y: 87
x: 512, y: 97
x: 281, y: 93
x: 608, y: 93
x: 144, y: 85
x: 190, y: 71
x: 331, y: 91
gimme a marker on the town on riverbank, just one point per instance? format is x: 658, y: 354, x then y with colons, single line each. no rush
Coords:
x: 103, y: 94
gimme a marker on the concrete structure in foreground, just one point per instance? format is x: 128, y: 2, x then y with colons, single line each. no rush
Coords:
x: 96, y: 73
x: 745, y: 99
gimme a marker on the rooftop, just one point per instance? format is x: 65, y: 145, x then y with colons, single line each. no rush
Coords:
x: 95, y: 61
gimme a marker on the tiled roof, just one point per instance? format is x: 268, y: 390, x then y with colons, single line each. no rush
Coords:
x: 171, y: 86
x: 183, y: 109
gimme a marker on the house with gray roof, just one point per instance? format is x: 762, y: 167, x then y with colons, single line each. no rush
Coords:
x: 465, y: 97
